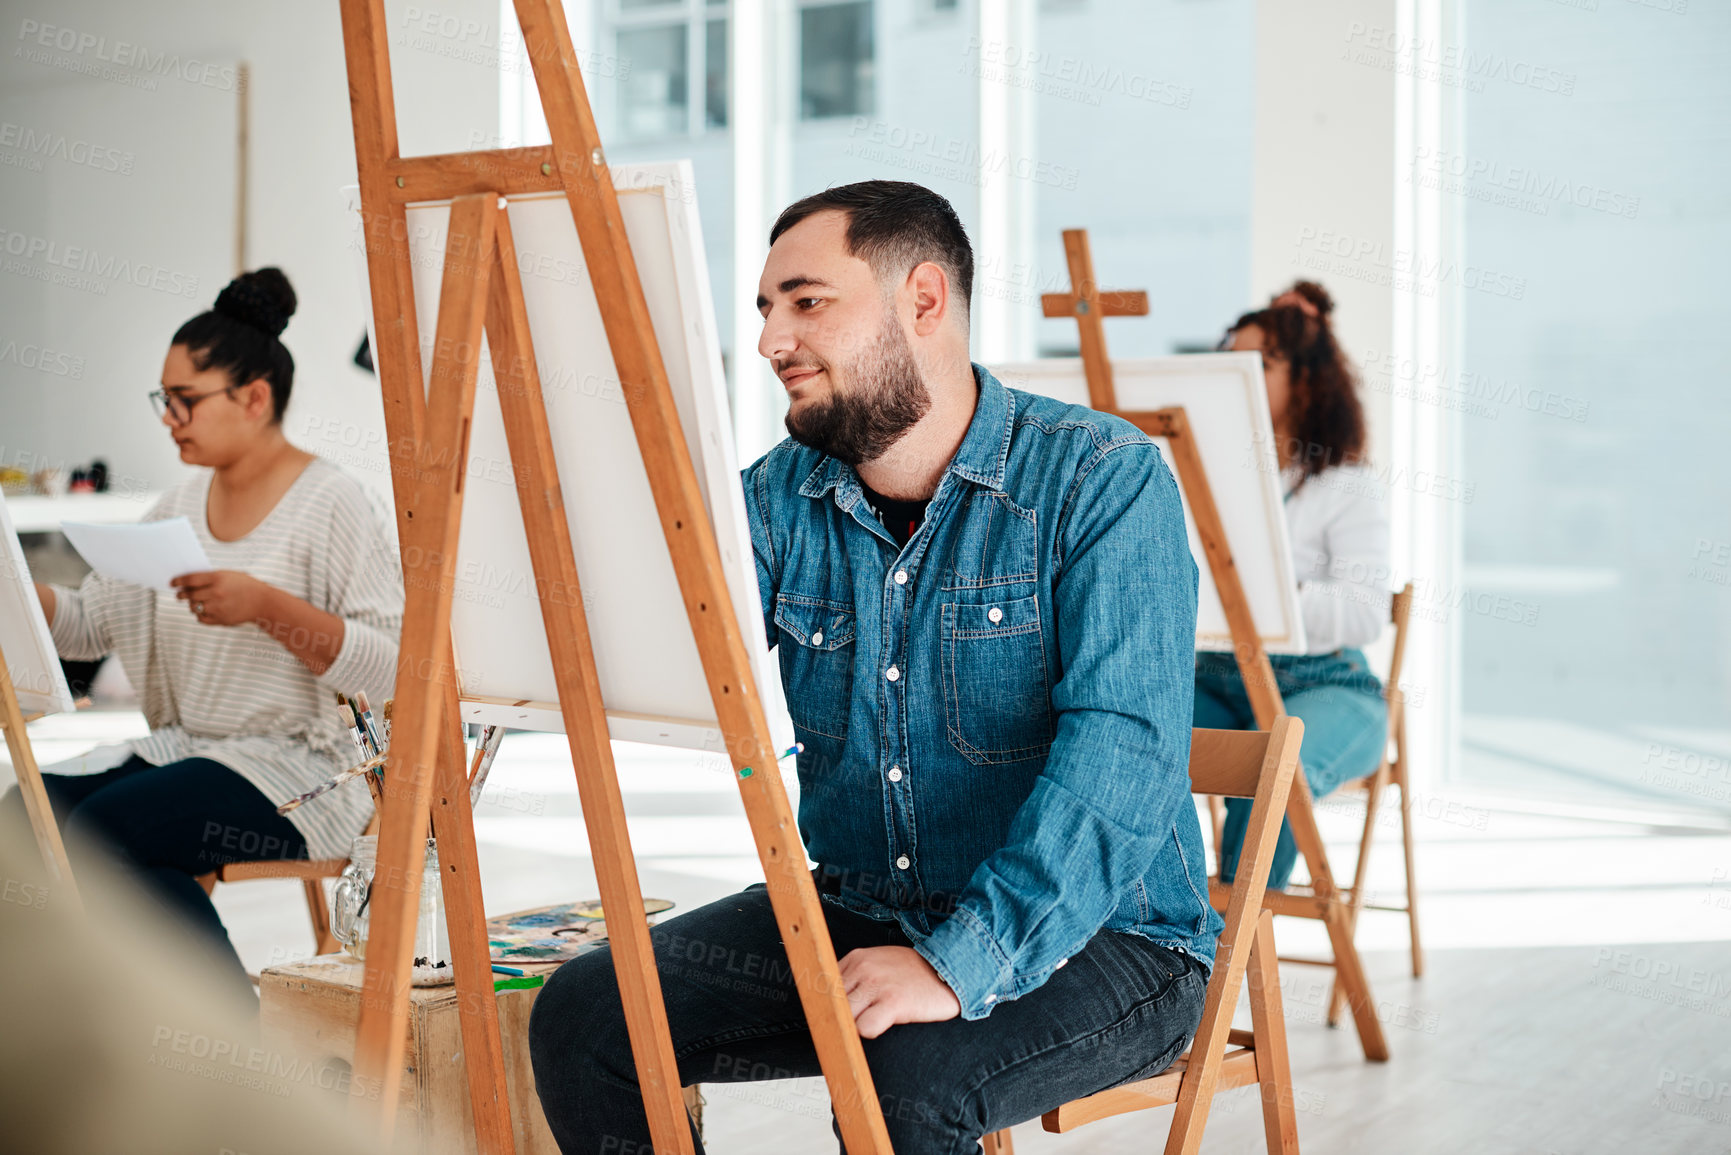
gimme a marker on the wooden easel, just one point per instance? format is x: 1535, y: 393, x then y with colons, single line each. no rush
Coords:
x: 30, y: 787
x: 428, y: 429
x: 1089, y: 306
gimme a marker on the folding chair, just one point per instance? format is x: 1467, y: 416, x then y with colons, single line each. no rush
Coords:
x: 1244, y: 764
x: 1391, y: 772
x: 311, y: 871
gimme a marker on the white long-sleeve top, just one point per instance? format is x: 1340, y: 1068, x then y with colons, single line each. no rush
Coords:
x: 235, y: 695
x: 1338, y: 525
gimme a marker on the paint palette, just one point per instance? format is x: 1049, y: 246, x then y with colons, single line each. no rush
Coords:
x: 554, y: 933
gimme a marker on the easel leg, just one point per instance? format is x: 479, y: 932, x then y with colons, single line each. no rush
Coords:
x: 1360, y: 873
x: 460, y: 873
x: 579, y: 683
x: 31, y: 789
x: 432, y: 513
x: 1349, y: 967
x: 697, y: 564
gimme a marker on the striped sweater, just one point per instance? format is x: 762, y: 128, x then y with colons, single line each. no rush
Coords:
x: 232, y: 693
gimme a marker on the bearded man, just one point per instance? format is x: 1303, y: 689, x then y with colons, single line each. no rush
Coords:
x: 984, y: 605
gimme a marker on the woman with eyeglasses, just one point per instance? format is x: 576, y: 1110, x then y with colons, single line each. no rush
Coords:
x: 236, y: 669
x: 1337, y: 524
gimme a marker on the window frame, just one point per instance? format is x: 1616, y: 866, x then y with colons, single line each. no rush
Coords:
x: 695, y: 16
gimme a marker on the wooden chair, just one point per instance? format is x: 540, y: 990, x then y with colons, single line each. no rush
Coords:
x: 1390, y: 773
x: 1245, y: 764
x: 311, y: 871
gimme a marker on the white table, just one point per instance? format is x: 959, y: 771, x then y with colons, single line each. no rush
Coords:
x: 34, y: 513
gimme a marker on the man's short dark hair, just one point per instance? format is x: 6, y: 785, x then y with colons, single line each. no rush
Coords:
x: 892, y: 226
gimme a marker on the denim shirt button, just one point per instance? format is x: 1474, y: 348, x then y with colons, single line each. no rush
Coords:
x: 901, y: 577
x: 1061, y: 963
x: 892, y: 673
x: 991, y: 998
x: 895, y: 773
x: 995, y: 615
x: 903, y: 862
x: 817, y: 638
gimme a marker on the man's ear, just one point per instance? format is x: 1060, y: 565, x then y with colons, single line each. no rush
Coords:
x: 931, y: 293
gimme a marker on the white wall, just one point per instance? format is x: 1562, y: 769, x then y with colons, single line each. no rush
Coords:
x: 174, y: 209
x: 1325, y: 171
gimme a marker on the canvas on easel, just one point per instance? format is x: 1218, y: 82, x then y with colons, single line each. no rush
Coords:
x: 431, y: 421
x: 1241, y: 553
x: 32, y: 683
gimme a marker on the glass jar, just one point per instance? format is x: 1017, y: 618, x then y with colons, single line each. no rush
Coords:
x: 351, y: 908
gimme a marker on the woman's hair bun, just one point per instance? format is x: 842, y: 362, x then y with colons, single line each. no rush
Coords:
x: 262, y: 298
x: 1315, y: 294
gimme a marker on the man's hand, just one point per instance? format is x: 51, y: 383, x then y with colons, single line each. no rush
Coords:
x: 887, y: 985
x: 223, y: 597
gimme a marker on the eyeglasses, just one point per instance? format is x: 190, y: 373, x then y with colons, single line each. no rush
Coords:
x: 178, y: 406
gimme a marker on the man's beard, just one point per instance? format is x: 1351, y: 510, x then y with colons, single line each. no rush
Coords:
x: 885, y: 398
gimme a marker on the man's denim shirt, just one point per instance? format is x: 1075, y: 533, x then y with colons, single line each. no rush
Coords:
x: 996, y: 717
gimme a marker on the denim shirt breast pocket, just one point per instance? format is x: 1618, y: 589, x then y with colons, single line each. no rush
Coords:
x: 816, y: 645
x: 997, y: 701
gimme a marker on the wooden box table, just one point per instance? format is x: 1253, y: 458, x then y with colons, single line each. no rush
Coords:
x: 310, y: 1009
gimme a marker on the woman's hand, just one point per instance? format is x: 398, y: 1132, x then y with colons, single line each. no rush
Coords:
x: 227, y: 597
x: 224, y: 597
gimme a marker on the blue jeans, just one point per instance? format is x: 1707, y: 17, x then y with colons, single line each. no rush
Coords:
x: 1345, y: 727
x: 1123, y: 1008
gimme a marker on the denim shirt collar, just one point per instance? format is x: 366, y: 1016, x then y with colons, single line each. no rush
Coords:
x: 980, y: 458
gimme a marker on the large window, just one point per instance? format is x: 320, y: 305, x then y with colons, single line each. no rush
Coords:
x: 671, y: 67
x: 1592, y: 398
x: 835, y: 60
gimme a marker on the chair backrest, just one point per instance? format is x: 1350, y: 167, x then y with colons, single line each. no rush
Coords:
x: 1259, y: 765
x: 1399, y: 612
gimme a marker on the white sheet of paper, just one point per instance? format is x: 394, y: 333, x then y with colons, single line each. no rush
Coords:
x: 146, y: 554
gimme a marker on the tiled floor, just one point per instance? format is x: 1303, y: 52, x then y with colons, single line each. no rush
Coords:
x: 1577, y: 998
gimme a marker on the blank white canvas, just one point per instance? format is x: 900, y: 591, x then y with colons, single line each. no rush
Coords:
x: 652, y: 681
x: 31, y: 660
x: 1227, y: 405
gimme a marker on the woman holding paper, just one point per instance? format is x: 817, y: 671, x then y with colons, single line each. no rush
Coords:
x: 236, y: 667
x: 1337, y: 521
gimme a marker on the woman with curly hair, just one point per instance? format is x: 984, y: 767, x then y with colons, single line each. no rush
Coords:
x: 1337, y: 520
x: 235, y: 667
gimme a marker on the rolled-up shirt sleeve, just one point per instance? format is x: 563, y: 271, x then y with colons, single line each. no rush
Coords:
x: 79, y: 626
x: 1117, y: 774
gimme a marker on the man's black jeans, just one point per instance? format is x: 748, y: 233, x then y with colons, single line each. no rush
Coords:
x: 1123, y: 1008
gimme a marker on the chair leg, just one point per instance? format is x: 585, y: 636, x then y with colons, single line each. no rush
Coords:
x: 1411, y: 874
x: 1268, y: 1024
x: 1360, y: 872
x: 324, y: 941
x: 998, y: 1143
